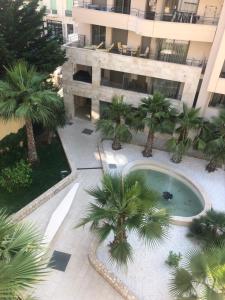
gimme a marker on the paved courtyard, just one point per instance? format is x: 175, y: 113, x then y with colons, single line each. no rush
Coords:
x: 148, y: 275
x: 80, y: 281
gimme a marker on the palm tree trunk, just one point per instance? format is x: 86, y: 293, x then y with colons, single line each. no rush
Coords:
x: 176, y: 157
x: 120, y: 234
x: 149, y: 144
x: 116, y: 144
x: 211, y: 166
x: 32, y: 151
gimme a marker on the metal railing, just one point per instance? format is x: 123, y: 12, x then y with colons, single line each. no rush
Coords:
x: 132, y: 85
x: 82, y: 42
x: 175, y: 16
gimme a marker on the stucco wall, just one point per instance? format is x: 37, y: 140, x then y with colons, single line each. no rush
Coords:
x: 9, y: 127
x: 98, y: 59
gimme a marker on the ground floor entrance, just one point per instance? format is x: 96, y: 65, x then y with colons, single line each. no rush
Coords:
x: 82, y: 107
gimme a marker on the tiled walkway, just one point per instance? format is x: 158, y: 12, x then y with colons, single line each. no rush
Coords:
x: 80, y: 281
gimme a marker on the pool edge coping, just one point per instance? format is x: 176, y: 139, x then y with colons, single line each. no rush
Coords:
x: 177, y: 220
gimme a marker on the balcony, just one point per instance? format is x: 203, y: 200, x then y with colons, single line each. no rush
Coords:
x: 175, y: 16
x: 180, y: 26
x: 166, y: 55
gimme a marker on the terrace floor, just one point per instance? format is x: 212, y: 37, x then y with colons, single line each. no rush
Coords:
x: 148, y: 275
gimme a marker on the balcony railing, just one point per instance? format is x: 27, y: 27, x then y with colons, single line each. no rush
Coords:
x: 175, y: 16
x: 83, y: 43
x: 128, y: 84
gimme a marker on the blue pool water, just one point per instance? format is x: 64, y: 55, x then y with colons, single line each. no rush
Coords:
x: 184, y: 201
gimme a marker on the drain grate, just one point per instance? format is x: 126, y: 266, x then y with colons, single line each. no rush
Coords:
x: 112, y: 166
x: 87, y: 131
x: 59, y: 261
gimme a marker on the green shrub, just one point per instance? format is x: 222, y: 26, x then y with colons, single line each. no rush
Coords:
x: 209, y: 229
x: 18, y: 176
x: 173, y: 259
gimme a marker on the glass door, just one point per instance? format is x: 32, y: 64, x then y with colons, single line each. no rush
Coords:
x: 98, y: 34
x: 122, y: 6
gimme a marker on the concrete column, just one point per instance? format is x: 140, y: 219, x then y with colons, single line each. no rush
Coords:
x: 96, y: 76
x: 108, y: 38
x: 95, y: 109
x: 159, y: 9
x: 189, y: 92
x: 69, y: 104
x: 154, y: 47
x: 214, y: 65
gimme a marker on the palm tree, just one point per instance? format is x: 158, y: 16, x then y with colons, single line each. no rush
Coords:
x: 123, y: 205
x: 215, y: 144
x: 209, y: 228
x: 160, y: 117
x: 114, y: 125
x: 22, y: 261
x: 203, y: 278
x: 23, y: 96
x: 187, y: 120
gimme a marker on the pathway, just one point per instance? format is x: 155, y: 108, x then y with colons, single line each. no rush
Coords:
x: 80, y: 281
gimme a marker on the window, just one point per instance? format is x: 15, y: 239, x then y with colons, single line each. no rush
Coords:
x: 98, y: 34
x: 173, y: 51
x: 169, y: 88
x: 69, y: 29
x: 122, y: 6
x: 56, y: 29
x: 217, y: 100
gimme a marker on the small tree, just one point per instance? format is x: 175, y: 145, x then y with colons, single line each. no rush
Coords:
x: 22, y: 258
x: 23, y: 96
x: 114, y: 125
x: 27, y: 37
x: 159, y: 117
x: 203, y: 277
x: 123, y: 205
x: 187, y: 120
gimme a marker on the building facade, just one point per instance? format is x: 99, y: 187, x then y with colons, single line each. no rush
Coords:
x: 137, y: 47
x: 59, y: 17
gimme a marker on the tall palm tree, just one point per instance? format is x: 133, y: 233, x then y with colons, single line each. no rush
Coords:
x: 114, y: 123
x: 160, y: 117
x: 187, y: 120
x: 123, y: 205
x: 203, y: 278
x: 23, y: 96
x: 22, y: 261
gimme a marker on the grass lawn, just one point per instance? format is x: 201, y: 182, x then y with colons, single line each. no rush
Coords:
x: 45, y: 175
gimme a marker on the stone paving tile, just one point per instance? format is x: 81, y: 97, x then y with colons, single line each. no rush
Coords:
x: 79, y: 281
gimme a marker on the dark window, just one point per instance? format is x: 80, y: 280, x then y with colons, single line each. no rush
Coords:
x: 122, y: 6
x: 69, y: 29
x: 56, y: 29
x: 98, y: 34
x: 217, y: 100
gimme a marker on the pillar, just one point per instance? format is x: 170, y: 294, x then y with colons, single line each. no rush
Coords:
x: 95, y: 109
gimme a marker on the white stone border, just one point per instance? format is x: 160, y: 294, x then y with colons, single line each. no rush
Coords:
x: 110, y: 277
x: 146, y: 164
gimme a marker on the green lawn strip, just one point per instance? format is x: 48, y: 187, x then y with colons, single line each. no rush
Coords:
x: 44, y: 176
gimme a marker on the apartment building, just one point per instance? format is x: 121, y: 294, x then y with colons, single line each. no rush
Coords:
x: 59, y: 17
x: 137, y: 47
